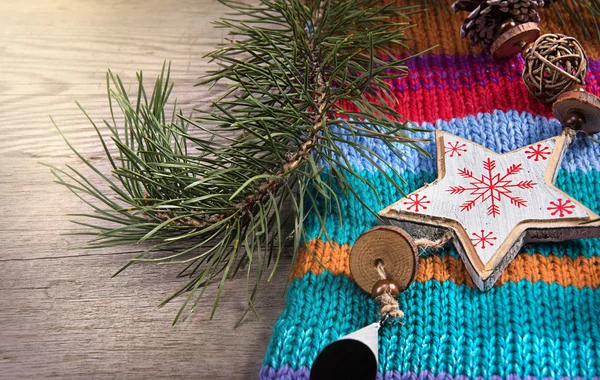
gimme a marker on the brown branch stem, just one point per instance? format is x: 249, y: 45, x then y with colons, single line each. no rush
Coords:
x: 293, y: 159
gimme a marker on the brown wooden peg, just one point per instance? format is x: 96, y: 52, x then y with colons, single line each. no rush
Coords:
x: 506, y: 26
x: 578, y: 110
x: 513, y: 40
x: 387, y: 247
x: 526, y: 47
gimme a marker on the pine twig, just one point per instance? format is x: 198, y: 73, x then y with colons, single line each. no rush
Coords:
x: 277, y: 137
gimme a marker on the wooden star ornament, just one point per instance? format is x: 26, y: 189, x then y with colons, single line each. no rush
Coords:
x: 493, y: 204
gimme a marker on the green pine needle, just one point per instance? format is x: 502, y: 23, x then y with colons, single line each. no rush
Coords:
x: 271, y: 142
x: 585, y: 12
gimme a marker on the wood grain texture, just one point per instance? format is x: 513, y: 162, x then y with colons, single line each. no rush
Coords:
x: 61, y: 315
x: 384, y: 252
x: 514, y: 40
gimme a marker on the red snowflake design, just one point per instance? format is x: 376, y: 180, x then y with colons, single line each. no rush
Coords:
x: 457, y: 148
x: 415, y: 201
x: 492, y: 187
x: 537, y: 152
x: 561, y: 208
x: 483, y: 238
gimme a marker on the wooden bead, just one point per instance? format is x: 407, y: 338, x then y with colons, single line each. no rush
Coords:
x: 514, y: 39
x: 385, y: 286
x: 578, y: 109
x: 506, y: 26
x: 526, y: 48
x: 574, y: 120
x: 390, y: 246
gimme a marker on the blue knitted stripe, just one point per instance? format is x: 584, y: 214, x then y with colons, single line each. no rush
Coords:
x: 520, y: 329
x: 357, y: 219
x: 511, y: 131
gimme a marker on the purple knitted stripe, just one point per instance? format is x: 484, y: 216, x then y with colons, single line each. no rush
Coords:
x: 287, y: 373
x: 465, y: 71
x: 438, y: 61
x: 283, y: 373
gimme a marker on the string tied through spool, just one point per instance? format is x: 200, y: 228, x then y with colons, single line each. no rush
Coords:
x: 386, y: 297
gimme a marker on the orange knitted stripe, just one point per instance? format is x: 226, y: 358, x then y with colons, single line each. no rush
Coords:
x: 579, y: 272
x: 442, y: 28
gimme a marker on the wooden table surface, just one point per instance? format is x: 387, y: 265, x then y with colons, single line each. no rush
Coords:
x: 61, y: 315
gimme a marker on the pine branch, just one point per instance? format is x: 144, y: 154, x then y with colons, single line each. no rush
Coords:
x: 304, y: 80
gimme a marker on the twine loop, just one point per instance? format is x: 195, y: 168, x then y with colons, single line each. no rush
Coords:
x: 389, y: 306
x: 434, y: 244
x: 390, y: 309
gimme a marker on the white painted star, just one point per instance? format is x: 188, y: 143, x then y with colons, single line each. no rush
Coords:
x: 494, y: 203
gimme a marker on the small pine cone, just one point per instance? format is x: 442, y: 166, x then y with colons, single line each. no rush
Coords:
x: 480, y: 24
x: 485, y: 16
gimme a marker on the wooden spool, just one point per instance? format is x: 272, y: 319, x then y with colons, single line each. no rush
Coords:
x: 389, y: 245
x: 513, y: 40
x: 579, y: 103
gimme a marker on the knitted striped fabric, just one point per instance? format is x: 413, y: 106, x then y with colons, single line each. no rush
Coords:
x: 540, y: 320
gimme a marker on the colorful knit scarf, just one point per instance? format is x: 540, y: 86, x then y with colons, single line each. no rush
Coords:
x: 540, y: 320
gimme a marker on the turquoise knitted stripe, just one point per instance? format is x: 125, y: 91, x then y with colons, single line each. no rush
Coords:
x: 357, y: 219
x: 511, y: 130
x: 523, y: 329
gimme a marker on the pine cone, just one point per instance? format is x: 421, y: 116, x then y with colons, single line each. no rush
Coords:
x: 521, y: 11
x: 486, y: 15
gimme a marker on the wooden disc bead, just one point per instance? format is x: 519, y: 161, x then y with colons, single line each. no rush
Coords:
x: 385, y: 286
x: 390, y: 246
x: 514, y: 39
x: 578, y: 110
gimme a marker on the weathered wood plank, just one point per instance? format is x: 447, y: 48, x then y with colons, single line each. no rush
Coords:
x: 61, y: 314
x: 65, y: 317
x: 58, y: 52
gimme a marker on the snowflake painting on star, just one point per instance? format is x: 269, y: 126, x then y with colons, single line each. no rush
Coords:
x: 483, y: 238
x: 417, y: 203
x: 561, y: 207
x: 455, y: 148
x: 491, y: 187
x: 538, y: 152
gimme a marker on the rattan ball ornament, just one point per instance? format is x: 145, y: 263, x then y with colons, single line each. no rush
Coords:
x: 554, y: 64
